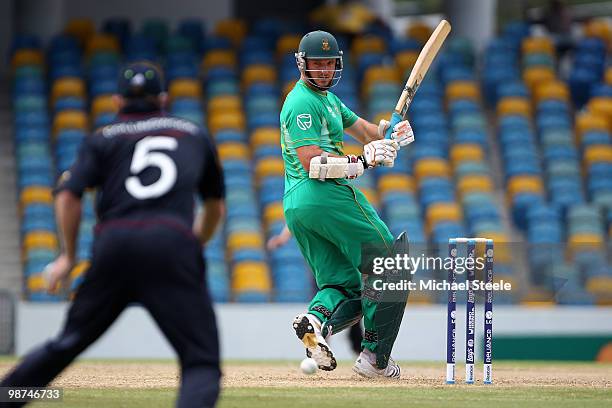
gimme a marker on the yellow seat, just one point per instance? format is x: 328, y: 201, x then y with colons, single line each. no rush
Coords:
x: 244, y: 239
x: 597, y: 153
x: 258, y: 73
x: 466, y: 152
x: 103, y: 104
x: 67, y: 86
x: 602, y: 106
x: 221, y: 103
x: 438, y: 212
x: 584, y: 242
x: 538, y: 297
x: 287, y: 88
x: 380, y: 73
x: 353, y: 149
x: 251, y: 277
x: 536, y: 76
x: 419, y: 31
x: 587, y: 121
x: 274, y: 212
x: 462, y: 90
x: 520, y: 184
x: 368, y: 44
x: 40, y: 239
x: 35, y: 194
x: 537, y: 45
x: 377, y: 74
x: 503, y: 247
x: 70, y: 119
x: 395, y: 182
x: 79, y: 269
x: 552, y: 90
x: 608, y: 76
x: 215, y: 58
x: 36, y: 283
x: 27, y: 56
x: 269, y: 167
x: 600, y: 285
x: 371, y: 195
x: 229, y: 120
x: 382, y: 115
x: 265, y: 136
x: 405, y: 60
x: 599, y: 28
x: 185, y: 88
x: 81, y: 28
x: 513, y: 105
x: 431, y: 167
x: 233, y: 150
x: 102, y: 42
x: 472, y: 183
x: 233, y: 29
x: 287, y: 43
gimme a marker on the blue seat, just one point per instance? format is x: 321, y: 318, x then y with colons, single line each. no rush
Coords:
x: 103, y: 72
x: 213, y: 42
x: 593, y: 137
x: 71, y: 102
x: 103, y: 86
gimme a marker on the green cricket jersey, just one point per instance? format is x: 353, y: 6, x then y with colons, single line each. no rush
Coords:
x: 310, y: 117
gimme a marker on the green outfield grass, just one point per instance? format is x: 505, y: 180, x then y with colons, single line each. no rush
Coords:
x: 511, y: 391
x: 557, y: 397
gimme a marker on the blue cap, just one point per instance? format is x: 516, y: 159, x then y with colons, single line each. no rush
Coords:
x: 140, y: 79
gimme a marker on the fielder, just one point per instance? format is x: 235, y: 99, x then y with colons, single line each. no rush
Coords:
x: 331, y: 220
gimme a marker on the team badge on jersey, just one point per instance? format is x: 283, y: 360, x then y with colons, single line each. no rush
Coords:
x: 304, y: 121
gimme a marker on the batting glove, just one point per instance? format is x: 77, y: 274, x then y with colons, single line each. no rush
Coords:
x: 402, y: 132
x: 380, y: 153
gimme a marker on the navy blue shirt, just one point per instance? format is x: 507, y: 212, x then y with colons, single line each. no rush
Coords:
x: 147, y: 164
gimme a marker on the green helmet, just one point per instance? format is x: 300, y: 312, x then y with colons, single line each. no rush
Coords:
x: 319, y: 45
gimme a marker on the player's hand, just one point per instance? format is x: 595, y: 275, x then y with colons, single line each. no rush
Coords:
x: 57, y: 272
x: 402, y: 132
x: 380, y: 153
x: 275, y: 242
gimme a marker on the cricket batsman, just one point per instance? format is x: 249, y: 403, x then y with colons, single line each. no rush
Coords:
x: 331, y: 220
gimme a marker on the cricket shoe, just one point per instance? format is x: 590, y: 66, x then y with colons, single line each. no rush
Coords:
x: 308, y: 329
x: 365, y: 366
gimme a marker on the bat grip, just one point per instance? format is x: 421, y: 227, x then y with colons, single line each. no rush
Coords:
x: 395, y: 119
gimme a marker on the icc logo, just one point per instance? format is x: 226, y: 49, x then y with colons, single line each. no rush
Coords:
x: 489, y: 253
x: 489, y: 315
x: 453, y: 313
x: 471, y: 343
x: 454, y: 252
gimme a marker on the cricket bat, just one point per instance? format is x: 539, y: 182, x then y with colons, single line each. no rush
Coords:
x: 423, y: 62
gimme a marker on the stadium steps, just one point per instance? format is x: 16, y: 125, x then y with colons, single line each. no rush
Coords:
x: 517, y: 239
x: 10, y: 262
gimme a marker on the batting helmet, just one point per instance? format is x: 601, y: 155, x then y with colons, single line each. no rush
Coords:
x: 319, y: 45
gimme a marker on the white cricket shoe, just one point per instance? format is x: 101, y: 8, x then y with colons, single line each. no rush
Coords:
x: 308, y: 329
x: 365, y: 366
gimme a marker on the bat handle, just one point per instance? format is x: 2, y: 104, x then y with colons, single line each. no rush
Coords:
x: 395, y: 119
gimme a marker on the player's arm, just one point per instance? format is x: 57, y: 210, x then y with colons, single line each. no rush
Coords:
x: 208, y: 219
x: 212, y: 191
x: 84, y: 173
x: 366, y: 132
x: 68, y: 217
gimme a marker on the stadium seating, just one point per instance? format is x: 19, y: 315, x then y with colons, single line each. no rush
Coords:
x: 547, y: 128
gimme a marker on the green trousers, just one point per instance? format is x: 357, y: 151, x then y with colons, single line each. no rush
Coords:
x: 331, y: 223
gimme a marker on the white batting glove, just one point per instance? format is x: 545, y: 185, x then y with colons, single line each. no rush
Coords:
x: 380, y: 153
x: 402, y: 132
